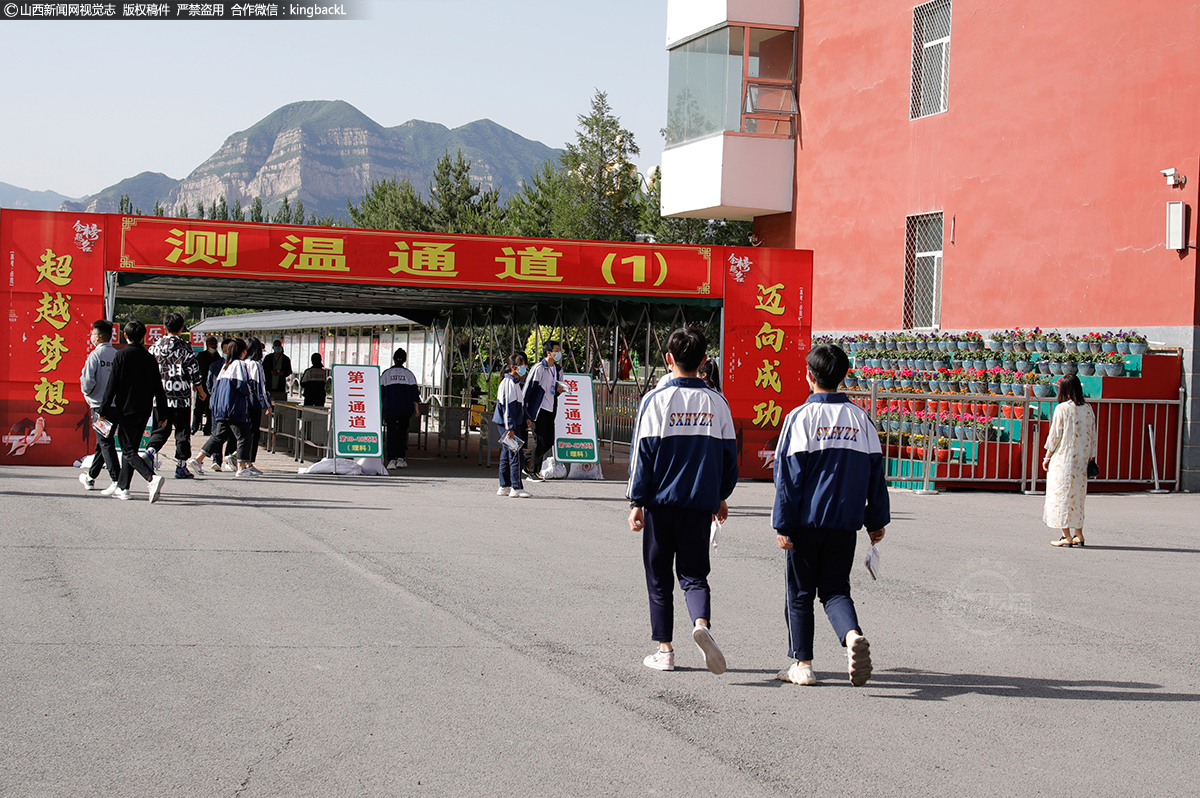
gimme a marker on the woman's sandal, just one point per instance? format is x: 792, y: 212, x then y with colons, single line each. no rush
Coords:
x: 1063, y: 541
x: 1078, y: 540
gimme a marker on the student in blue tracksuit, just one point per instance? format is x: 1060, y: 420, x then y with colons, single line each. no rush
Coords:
x: 510, y: 417
x: 401, y: 400
x: 239, y: 387
x: 682, y: 468
x: 829, y: 483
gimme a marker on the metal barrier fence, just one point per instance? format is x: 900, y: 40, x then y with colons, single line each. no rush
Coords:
x: 973, y: 439
x: 616, y: 410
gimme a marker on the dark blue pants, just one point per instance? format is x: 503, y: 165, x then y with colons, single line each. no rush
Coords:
x: 818, y: 565
x: 510, y: 468
x: 397, y: 437
x: 675, y: 540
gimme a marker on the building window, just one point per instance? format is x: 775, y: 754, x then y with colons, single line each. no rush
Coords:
x: 931, y: 58
x: 734, y: 79
x: 923, y: 271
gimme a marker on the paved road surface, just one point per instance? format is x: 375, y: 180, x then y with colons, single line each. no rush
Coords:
x: 418, y: 635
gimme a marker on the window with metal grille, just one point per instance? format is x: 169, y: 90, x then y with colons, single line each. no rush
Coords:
x: 931, y: 58
x: 923, y: 271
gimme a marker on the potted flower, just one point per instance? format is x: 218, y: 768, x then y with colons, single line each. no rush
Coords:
x: 941, y: 449
x: 974, y: 341
x: 1086, y: 364
x: 995, y: 341
x: 1115, y: 365
x: 1138, y: 345
x: 1054, y: 342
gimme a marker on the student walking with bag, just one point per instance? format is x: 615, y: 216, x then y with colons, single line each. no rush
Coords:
x: 510, y: 417
x: 134, y: 390
x: 93, y: 381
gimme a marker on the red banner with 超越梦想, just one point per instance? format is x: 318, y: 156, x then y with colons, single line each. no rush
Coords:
x: 767, y: 338
x: 55, y: 266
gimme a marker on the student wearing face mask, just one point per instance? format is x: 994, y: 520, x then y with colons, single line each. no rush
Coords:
x: 542, y: 387
x: 201, y: 415
x: 278, y: 367
x: 510, y: 417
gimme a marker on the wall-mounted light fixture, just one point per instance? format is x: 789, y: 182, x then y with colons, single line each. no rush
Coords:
x: 1177, y: 226
x: 1174, y: 179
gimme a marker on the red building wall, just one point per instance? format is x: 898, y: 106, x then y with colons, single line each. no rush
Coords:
x: 1061, y: 116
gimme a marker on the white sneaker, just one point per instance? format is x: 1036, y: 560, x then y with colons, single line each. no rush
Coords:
x: 660, y: 661
x: 195, y: 467
x: 155, y: 488
x: 518, y: 493
x: 714, y: 660
x: 216, y: 466
x: 123, y: 495
x: 502, y: 492
x: 87, y: 482
x: 254, y: 468
x: 797, y: 673
x: 858, y: 658
x: 245, y: 472
x: 110, y: 490
x: 390, y: 464
x: 228, y: 466
x: 401, y: 462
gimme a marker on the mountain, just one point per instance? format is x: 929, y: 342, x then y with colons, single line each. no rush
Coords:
x: 14, y: 197
x: 143, y: 190
x: 327, y: 152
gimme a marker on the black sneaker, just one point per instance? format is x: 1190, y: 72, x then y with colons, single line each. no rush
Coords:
x: 181, y: 472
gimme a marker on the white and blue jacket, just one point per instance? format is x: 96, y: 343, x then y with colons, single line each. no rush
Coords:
x: 684, y: 451
x: 400, y: 392
x: 239, y: 387
x: 829, y: 469
x: 510, y: 409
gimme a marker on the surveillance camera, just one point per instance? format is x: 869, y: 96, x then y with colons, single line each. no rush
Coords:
x: 1169, y: 172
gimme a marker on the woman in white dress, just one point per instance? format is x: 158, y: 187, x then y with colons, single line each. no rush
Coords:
x: 1070, y: 444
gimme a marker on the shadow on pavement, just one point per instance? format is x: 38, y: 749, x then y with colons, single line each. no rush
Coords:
x: 1090, y: 547
x: 930, y: 686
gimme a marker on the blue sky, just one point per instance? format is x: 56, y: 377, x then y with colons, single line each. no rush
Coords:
x: 86, y: 104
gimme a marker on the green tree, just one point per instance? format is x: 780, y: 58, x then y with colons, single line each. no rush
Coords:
x: 237, y: 214
x: 159, y: 210
x: 200, y: 209
x: 603, y: 181
x: 298, y: 214
x: 124, y: 206
x: 391, y: 204
x: 220, y: 209
x: 182, y: 211
x: 284, y: 214
x: 537, y: 209
x: 457, y: 205
x: 256, y: 211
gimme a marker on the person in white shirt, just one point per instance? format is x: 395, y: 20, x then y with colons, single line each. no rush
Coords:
x: 542, y: 388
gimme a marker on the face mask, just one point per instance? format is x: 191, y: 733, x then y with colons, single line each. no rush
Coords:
x: 277, y: 350
x: 212, y: 349
x: 521, y: 371
x: 558, y: 357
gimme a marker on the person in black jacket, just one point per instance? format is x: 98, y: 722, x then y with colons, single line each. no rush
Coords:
x: 201, y: 415
x: 133, y: 389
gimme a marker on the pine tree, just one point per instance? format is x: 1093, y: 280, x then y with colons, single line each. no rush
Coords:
x: 182, y: 211
x: 220, y: 209
x: 391, y: 204
x: 456, y: 204
x: 124, y: 206
x: 200, y: 209
x: 284, y: 214
x: 603, y: 181
x: 159, y: 210
x: 536, y: 210
x: 256, y: 210
x: 298, y: 214
x: 237, y: 214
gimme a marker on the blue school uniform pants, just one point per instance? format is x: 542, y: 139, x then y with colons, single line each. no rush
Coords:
x: 675, y: 541
x: 510, y: 467
x: 818, y: 566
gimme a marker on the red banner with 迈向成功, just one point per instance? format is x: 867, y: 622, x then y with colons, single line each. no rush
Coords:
x: 767, y: 337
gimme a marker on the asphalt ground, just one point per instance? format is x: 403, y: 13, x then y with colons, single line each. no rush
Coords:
x: 418, y: 635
